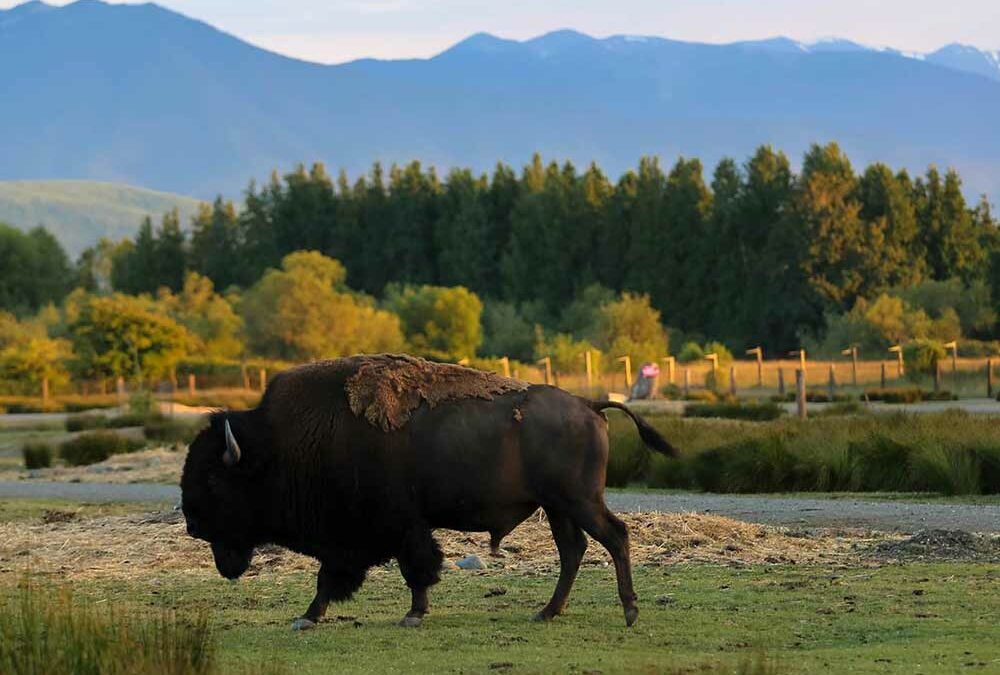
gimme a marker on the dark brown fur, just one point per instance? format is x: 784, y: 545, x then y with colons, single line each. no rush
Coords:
x: 317, y: 479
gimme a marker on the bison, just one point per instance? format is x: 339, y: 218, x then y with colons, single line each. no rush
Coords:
x: 312, y: 470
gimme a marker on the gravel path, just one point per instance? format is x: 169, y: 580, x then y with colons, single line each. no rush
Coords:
x: 91, y: 493
x: 886, y: 516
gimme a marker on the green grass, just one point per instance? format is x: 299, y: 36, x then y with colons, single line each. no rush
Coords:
x: 951, y: 452
x: 48, y: 631
x: 906, y: 497
x: 35, y: 510
x: 929, y: 618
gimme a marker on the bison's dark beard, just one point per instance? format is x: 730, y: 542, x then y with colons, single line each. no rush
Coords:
x: 231, y: 562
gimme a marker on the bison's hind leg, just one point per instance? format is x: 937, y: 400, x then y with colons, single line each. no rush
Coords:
x: 332, y: 585
x: 612, y: 533
x: 420, y: 561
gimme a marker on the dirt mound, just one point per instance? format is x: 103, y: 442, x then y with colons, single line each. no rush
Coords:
x: 941, y: 545
x: 145, y: 545
x: 387, y: 388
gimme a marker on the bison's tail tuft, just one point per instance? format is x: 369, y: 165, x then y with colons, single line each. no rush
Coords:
x: 650, y: 436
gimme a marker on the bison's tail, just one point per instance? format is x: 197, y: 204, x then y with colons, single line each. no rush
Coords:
x: 650, y: 436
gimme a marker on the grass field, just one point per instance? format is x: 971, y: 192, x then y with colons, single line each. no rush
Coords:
x: 928, y: 618
x: 715, y: 596
x: 950, y: 452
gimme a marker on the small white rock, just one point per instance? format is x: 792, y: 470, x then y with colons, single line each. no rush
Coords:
x: 471, y: 562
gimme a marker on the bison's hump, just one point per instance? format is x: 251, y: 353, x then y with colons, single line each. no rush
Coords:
x: 386, y: 388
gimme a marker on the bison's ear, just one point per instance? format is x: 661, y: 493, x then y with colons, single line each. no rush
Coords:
x: 232, y: 455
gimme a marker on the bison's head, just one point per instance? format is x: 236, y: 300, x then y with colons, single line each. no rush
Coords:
x: 218, y: 490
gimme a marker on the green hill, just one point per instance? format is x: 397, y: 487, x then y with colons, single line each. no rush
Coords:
x: 80, y: 212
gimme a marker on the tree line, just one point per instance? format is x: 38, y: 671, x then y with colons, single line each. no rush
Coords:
x: 756, y: 253
x: 759, y: 253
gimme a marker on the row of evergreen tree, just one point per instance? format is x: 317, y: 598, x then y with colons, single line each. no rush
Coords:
x: 757, y: 254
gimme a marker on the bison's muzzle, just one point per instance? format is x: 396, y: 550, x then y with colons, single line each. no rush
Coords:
x: 230, y: 561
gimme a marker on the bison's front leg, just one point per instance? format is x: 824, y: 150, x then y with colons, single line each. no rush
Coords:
x: 332, y: 585
x: 420, y: 561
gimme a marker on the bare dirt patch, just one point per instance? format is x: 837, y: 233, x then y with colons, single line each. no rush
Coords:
x: 136, y: 546
x: 941, y: 545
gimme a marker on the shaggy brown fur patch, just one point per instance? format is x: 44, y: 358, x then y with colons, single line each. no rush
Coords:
x: 387, y: 388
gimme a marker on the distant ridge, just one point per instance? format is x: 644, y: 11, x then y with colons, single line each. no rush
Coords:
x: 79, y: 213
x: 143, y: 95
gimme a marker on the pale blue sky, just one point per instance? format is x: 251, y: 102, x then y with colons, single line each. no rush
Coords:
x: 332, y: 31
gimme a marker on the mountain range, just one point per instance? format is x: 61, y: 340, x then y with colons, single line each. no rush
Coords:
x: 146, y: 96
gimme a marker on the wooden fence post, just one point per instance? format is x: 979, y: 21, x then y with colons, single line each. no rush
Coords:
x: 192, y: 384
x: 590, y: 372
x: 246, y: 377
x: 732, y: 381
x: 883, y: 375
x: 800, y: 392
x: 505, y: 361
x: 263, y: 379
x: 832, y: 383
x: 781, y: 382
x: 687, y: 382
x: 758, y: 352
x: 120, y: 389
x: 547, y: 362
x: 627, y: 360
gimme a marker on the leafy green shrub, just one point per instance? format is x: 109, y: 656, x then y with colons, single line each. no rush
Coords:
x: 86, y: 422
x: 169, y: 430
x: 126, y: 420
x: 37, y: 455
x: 704, y: 395
x: 756, y: 412
x: 850, y: 407
x: 95, y: 446
x: 691, y: 352
x: 24, y: 405
x: 671, y: 392
x: 896, y: 395
x: 229, y: 399
x: 50, y: 632
x: 922, y: 356
x: 942, y: 395
x: 75, y: 404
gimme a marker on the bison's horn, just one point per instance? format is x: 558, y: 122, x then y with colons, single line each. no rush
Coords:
x: 233, y: 454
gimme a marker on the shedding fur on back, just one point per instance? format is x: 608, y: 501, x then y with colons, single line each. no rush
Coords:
x: 386, y: 388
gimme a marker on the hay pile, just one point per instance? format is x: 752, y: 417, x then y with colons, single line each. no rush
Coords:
x: 143, y: 546
x: 387, y: 388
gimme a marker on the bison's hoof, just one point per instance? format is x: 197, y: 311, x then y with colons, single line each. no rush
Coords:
x: 302, y: 623
x: 542, y: 616
x: 631, y: 614
x: 410, y: 621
